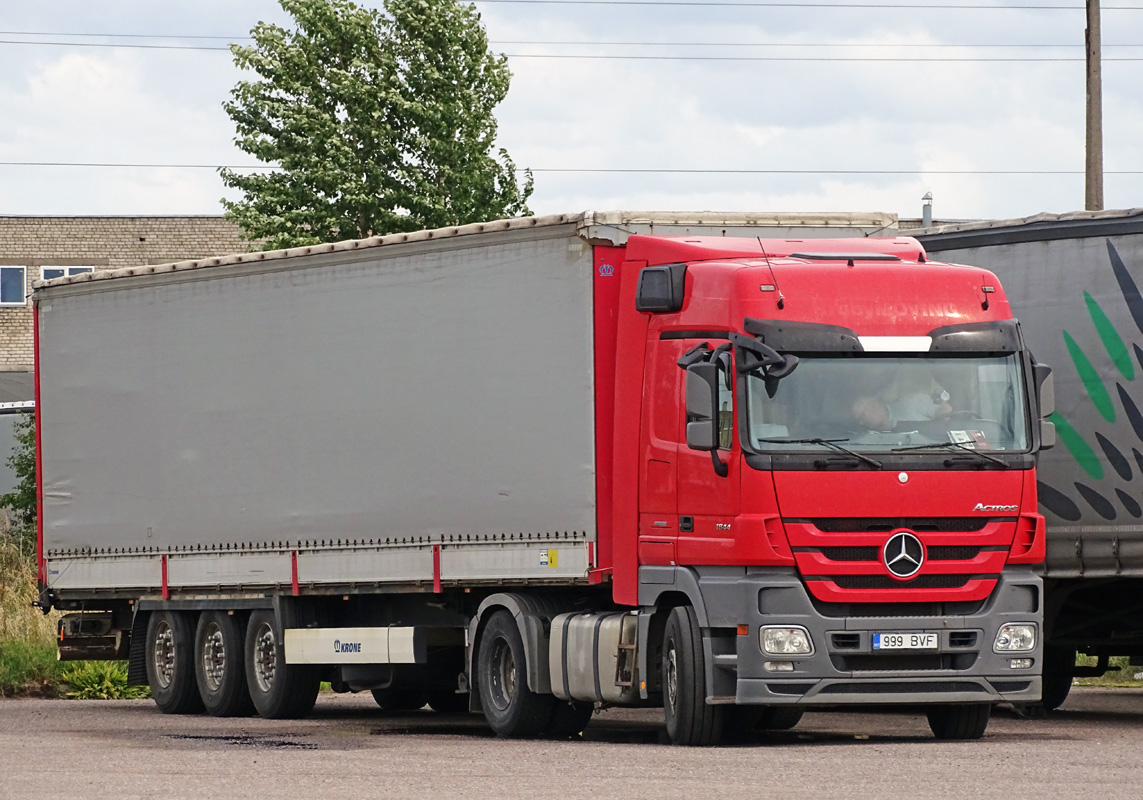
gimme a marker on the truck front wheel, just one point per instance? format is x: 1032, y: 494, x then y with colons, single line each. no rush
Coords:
x: 279, y: 690
x: 690, y: 720
x: 959, y: 722
x: 511, y: 708
x: 219, y: 669
x: 170, y: 663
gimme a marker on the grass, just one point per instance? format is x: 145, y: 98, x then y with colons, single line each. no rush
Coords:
x: 1124, y: 676
x: 28, y: 664
x: 100, y: 680
x: 27, y: 638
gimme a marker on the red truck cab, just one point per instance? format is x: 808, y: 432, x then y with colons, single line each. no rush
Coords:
x: 835, y: 447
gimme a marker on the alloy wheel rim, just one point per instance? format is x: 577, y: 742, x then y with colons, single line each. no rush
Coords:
x: 265, y: 657
x: 213, y: 657
x: 163, y: 654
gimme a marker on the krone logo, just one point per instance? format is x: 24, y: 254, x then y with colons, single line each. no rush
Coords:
x: 983, y: 507
x: 903, y: 554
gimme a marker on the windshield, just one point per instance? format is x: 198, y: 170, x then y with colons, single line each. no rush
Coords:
x: 879, y: 403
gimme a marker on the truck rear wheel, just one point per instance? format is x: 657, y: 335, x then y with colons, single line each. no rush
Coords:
x: 959, y: 722
x: 279, y: 690
x: 170, y: 663
x: 219, y: 669
x: 511, y: 708
x: 690, y: 720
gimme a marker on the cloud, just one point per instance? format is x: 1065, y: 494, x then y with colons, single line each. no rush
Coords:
x: 924, y: 118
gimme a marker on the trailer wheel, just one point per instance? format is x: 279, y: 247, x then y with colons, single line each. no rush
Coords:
x: 279, y: 690
x: 1059, y: 663
x: 219, y: 668
x: 170, y: 663
x: 569, y: 718
x: 511, y: 708
x: 395, y: 698
x: 959, y: 722
x: 690, y: 720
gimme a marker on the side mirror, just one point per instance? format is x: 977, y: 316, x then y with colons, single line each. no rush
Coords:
x: 702, y: 400
x: 1047, y: 434
x: 1045, y: 389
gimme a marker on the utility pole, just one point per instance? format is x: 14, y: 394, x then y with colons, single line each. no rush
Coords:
x: 1093, y: 186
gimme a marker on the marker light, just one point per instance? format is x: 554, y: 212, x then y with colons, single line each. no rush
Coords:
x: 1015, y: 637
x: 786, y: 641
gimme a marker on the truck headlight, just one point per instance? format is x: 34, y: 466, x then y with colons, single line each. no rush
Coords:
x: 1016, y: 637
x: 790, y: 640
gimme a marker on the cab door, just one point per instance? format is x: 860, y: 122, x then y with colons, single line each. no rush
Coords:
x: 708, y: 504
x: 658, y: 489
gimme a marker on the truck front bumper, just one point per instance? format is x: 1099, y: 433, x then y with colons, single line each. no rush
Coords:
x: 959, y: 666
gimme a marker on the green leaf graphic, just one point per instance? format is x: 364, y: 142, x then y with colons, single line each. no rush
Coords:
x: 1111, y: 339
x: 1090, y: 378
x: 1081, y: 451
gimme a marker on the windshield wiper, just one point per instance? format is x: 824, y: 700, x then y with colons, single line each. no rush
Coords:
x: 963, y: 446
x: 830, y: 443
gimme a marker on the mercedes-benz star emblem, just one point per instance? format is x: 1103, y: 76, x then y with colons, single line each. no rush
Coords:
x: 903, y: 554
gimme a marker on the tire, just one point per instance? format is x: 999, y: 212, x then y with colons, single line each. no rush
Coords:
x: 220, y: 671
x: 569, y: 719
x: 1058, y: 666
x: 959, y: 722
x: 397, y: 698
x: 511, y: 708
x: 748, y: 723
x: 170, y: 663
x: 446, y: 702
x: 779, y: 718
x: 690, y: 721
x: 278, y: 690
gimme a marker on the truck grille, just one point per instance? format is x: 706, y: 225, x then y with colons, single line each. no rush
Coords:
x: 884, y: 582
x: 886, y: 524
x: 841, y: 558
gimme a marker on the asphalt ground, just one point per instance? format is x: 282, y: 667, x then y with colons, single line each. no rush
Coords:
x: 90, y: 750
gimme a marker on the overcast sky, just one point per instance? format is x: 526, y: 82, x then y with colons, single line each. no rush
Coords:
x: 163, y: 106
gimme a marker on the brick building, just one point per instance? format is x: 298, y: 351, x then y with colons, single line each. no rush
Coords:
x: 44, y: 247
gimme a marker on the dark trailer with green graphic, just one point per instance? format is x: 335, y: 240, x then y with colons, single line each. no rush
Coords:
x: 1075, y: 282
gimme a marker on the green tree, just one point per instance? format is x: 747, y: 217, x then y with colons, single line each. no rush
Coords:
x: 22, y: 500
x: 377, y: 123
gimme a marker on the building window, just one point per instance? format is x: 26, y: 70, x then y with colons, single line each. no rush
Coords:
x: 12, y: 286
x: 51, y: 273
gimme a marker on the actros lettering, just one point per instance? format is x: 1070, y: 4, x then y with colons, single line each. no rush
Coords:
x: 983, y: 507
x: 346, y: 647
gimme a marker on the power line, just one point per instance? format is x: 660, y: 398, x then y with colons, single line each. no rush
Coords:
x: 767, y: 4
x: 609, y: 170
x: 123, y: 35
x: 596, y: 42
x: 637, y: 57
